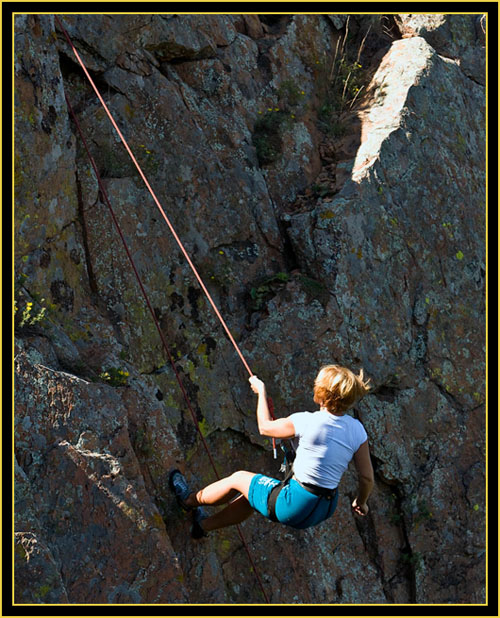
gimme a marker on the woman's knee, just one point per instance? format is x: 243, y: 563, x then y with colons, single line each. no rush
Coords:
x: 242, y: 475
x: 241, y: 480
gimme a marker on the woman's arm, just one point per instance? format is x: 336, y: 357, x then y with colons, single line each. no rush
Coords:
x: 366, y: 478
x: 279, y: 428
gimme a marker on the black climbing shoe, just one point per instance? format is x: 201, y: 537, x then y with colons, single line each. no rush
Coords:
x: 179, y: 486
x: 197, y: 531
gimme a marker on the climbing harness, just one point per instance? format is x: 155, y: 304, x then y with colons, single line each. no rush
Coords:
x: 143, y: 290
x: 288, y: 448
x: 273, y: 496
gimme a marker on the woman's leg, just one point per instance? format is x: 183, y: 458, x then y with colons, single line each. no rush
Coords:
x: 222, y: 491
x: 234, y: 513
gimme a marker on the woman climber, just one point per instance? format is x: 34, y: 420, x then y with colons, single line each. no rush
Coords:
x: 327, y: 441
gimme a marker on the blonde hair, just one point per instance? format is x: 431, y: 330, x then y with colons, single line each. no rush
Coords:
x: 337, y: 388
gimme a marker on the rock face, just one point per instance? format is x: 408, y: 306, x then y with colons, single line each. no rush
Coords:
x: 327, y: 176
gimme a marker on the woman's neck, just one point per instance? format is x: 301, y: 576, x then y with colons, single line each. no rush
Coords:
x: 335, y: 413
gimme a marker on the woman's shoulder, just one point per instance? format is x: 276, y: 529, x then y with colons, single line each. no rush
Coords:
x: 353, y: 422
x: 297, y: 414
x: 358, y: 430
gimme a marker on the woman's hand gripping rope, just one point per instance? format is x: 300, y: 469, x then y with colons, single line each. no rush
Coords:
x: 257, y: 385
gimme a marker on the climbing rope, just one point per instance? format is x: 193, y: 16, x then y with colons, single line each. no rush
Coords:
x: 143, y: 290
x: 160, y: 208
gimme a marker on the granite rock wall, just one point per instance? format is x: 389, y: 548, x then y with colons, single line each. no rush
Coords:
x: 327, y: 176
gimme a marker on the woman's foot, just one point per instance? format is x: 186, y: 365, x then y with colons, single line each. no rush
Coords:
x: 197, y: 531
x: 179, y: 486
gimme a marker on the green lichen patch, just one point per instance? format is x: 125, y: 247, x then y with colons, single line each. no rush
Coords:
x: 264, y: 289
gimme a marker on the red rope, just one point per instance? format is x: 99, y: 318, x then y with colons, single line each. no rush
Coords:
x: 160, y: 208
x: 160, y: 332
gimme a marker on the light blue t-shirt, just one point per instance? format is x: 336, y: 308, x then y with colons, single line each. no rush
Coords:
x: 327, y: 444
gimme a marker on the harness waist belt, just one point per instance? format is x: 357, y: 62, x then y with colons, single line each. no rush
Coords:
x: 316, y: 489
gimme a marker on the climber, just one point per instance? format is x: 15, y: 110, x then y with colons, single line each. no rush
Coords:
x: 327, y: 441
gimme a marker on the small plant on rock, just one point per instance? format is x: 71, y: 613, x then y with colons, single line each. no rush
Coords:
x: 267, y: 136
x: 271, y: 124
x: 115, y: 377
x: 27, y: 313
x: 340, y: 85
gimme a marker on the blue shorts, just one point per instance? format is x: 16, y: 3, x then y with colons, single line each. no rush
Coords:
x: 295, y: 506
